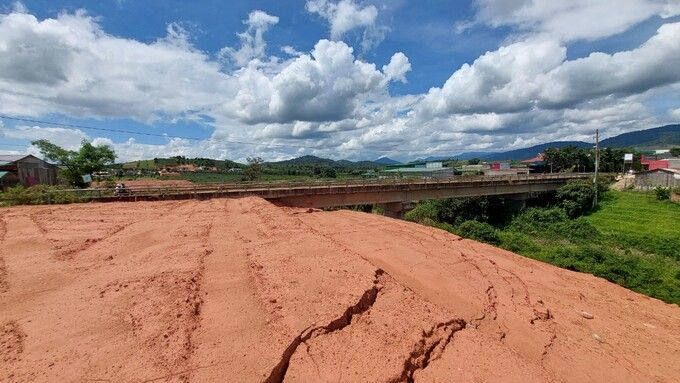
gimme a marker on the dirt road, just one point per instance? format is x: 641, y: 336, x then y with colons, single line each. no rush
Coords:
x: 245, y: 291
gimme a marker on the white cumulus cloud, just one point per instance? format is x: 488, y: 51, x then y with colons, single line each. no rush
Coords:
x: 574, y: 19
x: 397, y: 68
x: 532, y: 74
x: 253, y: 44
x: 347, y: 15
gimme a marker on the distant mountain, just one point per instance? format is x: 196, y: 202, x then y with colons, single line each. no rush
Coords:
x: 459, y: 156
x: 309, y: 160
x: 523, y: 154
x: 662, y: 137
x: 658, y: 138
x: 517, y: 154
x: 305, y: 160
x: 386, y: 161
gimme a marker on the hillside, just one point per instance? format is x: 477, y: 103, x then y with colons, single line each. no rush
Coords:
x: 511, y: 155
x: 655, y: 138
x: 159, y: 163
x: 663, y: 137
x: 386, y: 161
x: 525, y: 153
x: 309, y: 160
x: 246, y: 291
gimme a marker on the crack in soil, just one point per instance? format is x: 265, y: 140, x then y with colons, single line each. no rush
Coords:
x: 368, y: 298
x: 430, y: 348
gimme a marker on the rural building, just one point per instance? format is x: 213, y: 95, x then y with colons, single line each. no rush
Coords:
x: 423, y: 169
x: 657, y: 177
x: 650, y: 163
x: 500, y: 166
x: 29, y: 170
x: 536, y: 164
x: 472, y: 169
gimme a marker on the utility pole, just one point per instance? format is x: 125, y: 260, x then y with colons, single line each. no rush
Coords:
x: 597, y: 163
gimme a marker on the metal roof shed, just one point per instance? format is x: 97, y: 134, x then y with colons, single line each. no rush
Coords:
x: 29, y: 169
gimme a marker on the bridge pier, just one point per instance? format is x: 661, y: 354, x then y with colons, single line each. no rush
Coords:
x: 396, y: 209
x: 393, y: 209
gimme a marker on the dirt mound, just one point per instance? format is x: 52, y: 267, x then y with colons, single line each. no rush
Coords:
x: 242, y: 290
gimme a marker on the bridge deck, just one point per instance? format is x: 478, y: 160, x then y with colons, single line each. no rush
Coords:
x: 347, y: 192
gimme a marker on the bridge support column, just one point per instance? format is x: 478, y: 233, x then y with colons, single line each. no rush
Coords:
x: 393, y: 209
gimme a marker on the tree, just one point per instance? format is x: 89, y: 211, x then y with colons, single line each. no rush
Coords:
x: 253, y: 169
x: 570, y: 157
x: 87, y: 160
x: 675, y: 152
x: 474, y: 161
x: 328, y: 172
x: 576, y: 197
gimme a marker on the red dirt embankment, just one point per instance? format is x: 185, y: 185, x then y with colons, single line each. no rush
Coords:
x: 245, y: 291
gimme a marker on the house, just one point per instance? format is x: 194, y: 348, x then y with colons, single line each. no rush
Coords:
x: 536, y: 164
x: 650, y: 163
x: 434, y: 169
x: 29, y: 170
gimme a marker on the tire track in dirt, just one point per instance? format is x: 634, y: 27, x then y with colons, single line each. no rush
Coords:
x: 177, y: 359
x: 234, y: 318
x: 11, y: 342
x: 69, y: 251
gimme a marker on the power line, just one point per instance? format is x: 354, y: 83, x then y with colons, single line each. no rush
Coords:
x: 77, y: 126
x: 94, y: 128
x: 14, y: 145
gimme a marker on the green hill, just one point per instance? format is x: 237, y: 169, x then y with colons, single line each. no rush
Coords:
x: 663, y: 137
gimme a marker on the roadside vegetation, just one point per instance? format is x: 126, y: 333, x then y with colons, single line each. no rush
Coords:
x: 631, y: 238
x: 37, y: 195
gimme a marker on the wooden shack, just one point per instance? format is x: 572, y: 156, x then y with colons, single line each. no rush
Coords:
x: 29, y: 170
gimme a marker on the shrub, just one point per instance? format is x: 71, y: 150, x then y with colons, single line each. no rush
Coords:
x: 662, y: 193
x: 535, y: 220
x: 458, y: 210
x: 576, y: 197
x: 478, y: 231
x: 35, y: 195
x: 424, y: 210
x: 20, y: 195
x: 517, y: 242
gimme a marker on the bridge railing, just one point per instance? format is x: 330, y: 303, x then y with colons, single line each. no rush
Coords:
x: 161, y: 192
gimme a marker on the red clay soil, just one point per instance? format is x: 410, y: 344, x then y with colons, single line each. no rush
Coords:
x: 245, y: 291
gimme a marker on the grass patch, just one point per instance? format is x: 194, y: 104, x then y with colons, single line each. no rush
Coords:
x: 639, y: 221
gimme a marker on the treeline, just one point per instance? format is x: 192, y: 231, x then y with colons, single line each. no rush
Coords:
x: 572, y: 158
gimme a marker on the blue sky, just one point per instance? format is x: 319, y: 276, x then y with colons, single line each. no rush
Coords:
x: 338, y: 78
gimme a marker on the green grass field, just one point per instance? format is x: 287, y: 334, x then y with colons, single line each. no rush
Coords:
x: 640, y: 221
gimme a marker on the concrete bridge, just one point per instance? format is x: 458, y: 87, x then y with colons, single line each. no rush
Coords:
x: 392, y: 194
